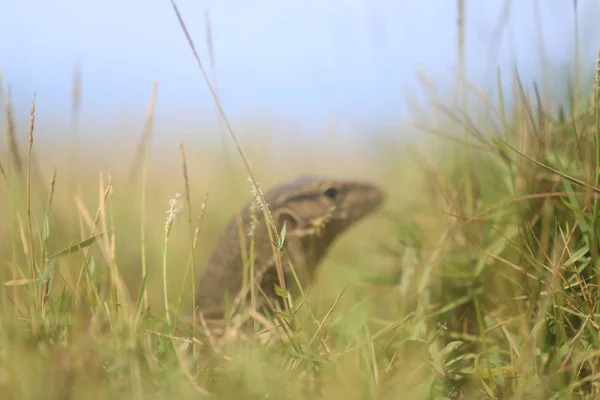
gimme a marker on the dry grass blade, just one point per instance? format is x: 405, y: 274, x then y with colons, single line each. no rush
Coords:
x: 186, y: 183
x: 34, y: 270
x: 3, y: 172
x: 141, y: 161
x: 463, y: 95
x: 193, y: 234
x: 448, y: 136
x: 11, y: 135
x: 75, y: 117
x: 94, y: 225
x: 478, y: 216
x: 555, y: 171
x: 141, y: 155
x: 52, y: 188
x: 46, y: 284
x: 266, y: 213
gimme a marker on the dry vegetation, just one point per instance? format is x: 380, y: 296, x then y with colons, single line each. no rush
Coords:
x: 478, y: 279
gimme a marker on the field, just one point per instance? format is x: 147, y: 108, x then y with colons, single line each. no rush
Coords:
x: 478, y: 278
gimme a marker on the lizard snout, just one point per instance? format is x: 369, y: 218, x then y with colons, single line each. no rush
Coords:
x: 366, y: 199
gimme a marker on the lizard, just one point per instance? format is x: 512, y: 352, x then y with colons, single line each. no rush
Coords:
x: 315, y: 211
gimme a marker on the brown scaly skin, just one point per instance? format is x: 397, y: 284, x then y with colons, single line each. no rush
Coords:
x: 316, y: 211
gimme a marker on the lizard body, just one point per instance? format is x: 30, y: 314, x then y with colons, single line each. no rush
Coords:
x: 315, y: 211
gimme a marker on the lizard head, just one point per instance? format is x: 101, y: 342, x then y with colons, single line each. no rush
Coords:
x: 324, y: 207
x: 315, y: 211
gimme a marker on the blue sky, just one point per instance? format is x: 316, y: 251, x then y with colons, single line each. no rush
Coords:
x: 303, y: 61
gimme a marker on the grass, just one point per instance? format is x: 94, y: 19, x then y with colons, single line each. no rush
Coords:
x: 478, y: 279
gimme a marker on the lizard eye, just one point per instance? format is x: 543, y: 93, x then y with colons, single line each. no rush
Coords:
x: 331, y: 192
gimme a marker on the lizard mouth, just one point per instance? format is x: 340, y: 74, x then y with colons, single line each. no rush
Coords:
x: 376, y: 196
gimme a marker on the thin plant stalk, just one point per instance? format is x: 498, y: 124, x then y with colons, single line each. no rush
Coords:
x: 34, y: 273
x: 145, y: 143
x: 171, y: 214
x: 266, y: 213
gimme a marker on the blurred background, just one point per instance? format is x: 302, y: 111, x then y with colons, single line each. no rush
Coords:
x: 354, y: 66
